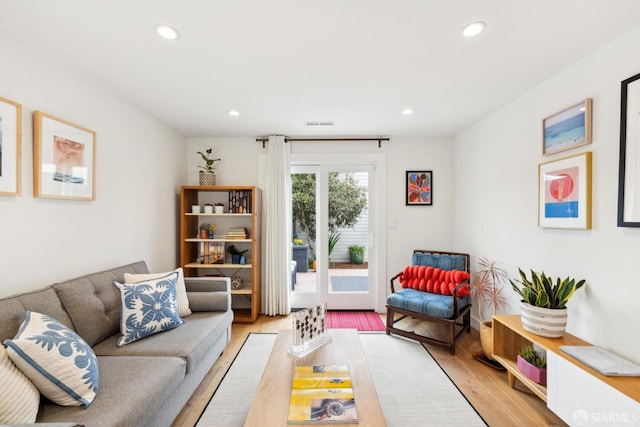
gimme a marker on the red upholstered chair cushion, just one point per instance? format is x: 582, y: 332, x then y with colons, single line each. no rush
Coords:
x: 434, y: 280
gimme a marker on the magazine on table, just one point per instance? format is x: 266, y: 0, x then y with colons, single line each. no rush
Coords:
x: 322, y: 394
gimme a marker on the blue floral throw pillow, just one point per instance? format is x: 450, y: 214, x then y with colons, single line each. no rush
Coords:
x: 148, y: 307
x: 57, y: 360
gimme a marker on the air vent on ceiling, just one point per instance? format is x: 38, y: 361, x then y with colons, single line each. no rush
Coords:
x: 317, y: 123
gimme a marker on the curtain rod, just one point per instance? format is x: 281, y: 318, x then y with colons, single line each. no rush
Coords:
x: 263, y: 140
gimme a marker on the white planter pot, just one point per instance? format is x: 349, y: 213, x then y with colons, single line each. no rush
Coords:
x: 208, y: 209
x: 545, y: 322
x: 219, y: 209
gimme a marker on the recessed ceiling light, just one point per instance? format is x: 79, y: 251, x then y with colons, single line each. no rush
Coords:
x: 234, y: 113
x: 167, y: 32
x: 473, y: 29
x: 407, y: 111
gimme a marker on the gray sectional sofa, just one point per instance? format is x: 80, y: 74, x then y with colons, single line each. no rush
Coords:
x: 144, y: 383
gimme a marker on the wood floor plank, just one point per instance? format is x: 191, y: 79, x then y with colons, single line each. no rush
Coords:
x: 486, y: 388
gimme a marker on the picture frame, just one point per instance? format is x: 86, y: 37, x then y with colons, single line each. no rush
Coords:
x: 10, y: 148
x: 567, y: 129
x: 629, y: 160
x: 564, y: 192
x: 64, y: 159
x: 419, y: 188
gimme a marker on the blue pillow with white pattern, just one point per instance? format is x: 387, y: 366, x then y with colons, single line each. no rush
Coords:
x: 148, y: 307
x: 57, y: 360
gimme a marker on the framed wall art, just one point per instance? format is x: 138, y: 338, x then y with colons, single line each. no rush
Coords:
x: 629, y: 166
x: 64, y: 159
x: 10, y: 147
x: 419, y: 188
x: 564, y: 192
x: 567, y: 129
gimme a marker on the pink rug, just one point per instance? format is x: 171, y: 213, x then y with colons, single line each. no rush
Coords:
x: 360, y: 320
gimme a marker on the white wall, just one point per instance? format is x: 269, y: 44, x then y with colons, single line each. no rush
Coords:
x: 416, y: 227
x: 496, y: 198
x: 140, y: 165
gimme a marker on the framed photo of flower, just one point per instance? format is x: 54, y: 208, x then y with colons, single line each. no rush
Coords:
x: 10, y: 147
x: 64, y: 159
x: 564, y: 192
x: 419, y: 188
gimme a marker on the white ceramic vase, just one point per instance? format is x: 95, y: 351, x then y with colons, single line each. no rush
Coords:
x: 546, y: 322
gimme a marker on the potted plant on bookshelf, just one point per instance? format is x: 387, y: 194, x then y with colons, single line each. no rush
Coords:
x: 543, y: 305
x: 356, y: 254
x: 532, y: 364
x: 219, y: 208
x: 207, y: 174
x: 235, y: 254
x: 486, y: 288
x: 204, y: 230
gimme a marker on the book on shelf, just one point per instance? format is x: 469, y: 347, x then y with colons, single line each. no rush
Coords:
x: 211, y: 252
x: 322, y: 394
x: 238, y: 233
x: 240, y: 201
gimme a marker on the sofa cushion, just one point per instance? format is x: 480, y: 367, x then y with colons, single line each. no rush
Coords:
x: 190, y: 341
x: 435, y: 280
x: 442, y: 261
x: 426, y: 303
x: 93, y: 303
x: 148, y: 307
x: 19, y: 398
x: 183, y: 300
x: 132, y: 390
x: 60, y: 363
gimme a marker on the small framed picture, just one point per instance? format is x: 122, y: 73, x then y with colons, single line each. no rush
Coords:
x: 64, y: 159
x: 564, y: 192
x: 10, y: 147
x: 567, y: 129
x: 419, y: 188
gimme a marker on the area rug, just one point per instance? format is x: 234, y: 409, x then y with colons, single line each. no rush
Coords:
x: 412, y: 389
x: 349, y: 283
x: 360, y: 320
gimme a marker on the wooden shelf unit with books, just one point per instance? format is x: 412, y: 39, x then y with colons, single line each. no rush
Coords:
x: 246, y: 202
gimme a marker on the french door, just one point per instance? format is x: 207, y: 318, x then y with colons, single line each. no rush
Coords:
x: 332, y: 210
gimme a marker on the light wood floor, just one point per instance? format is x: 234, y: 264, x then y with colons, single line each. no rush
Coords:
x: 487, y: 389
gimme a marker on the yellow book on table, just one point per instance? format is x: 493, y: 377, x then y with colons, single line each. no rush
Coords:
x: 322, y: 394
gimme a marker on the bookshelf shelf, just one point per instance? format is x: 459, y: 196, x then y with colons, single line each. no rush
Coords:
x: 194, y: 251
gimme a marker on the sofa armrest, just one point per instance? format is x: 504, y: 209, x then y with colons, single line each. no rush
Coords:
x: 208, y: 293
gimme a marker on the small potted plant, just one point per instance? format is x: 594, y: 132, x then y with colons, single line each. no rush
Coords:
x: 532, y: 364
x: 235, y: 254
x: 208, y: 208
x: 219, y: 208
x: 204, y: 230
x: 356, y: 254
x: 207, y: 174
x: 544, y: 304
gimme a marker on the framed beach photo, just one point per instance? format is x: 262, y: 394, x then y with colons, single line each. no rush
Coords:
x: 567, y: 129
x: 64, y: 159
x: 10, y: 147
x: 564, y: 192
x: 419, y: 188
x: 629, y: 167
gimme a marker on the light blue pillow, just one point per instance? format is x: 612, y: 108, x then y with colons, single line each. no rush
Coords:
x: 148, y: 307
x: 57, y: 360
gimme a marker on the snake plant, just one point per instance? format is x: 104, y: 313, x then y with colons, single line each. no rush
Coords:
x: 540, y: 291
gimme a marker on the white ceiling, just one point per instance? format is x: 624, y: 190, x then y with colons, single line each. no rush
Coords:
x: 284, y: 62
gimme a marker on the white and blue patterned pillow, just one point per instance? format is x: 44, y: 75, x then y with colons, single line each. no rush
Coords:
x: 57, y: 360
x: 148, y: 307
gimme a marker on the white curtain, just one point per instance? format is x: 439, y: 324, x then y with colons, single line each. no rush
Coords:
x: 277, y: 225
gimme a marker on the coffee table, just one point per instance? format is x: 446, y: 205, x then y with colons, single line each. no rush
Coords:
x: 271, y: 404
